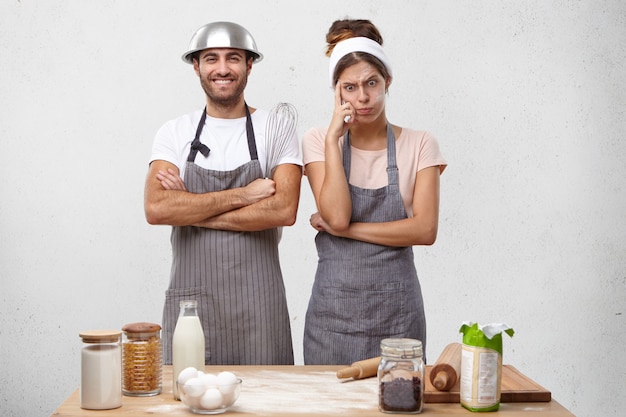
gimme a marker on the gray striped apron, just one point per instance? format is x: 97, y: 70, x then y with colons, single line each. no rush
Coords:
x: 363, y: 292
x: 234, y: 276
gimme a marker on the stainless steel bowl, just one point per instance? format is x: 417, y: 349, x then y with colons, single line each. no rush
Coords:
x: 222, y: 35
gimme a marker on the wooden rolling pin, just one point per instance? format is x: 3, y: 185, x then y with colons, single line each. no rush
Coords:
x: 360, y: 369
x: 447, y: 370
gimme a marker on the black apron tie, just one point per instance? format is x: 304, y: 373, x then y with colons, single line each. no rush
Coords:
x: 196, y: 145
x: 204, y: 150
x: 250, y: 134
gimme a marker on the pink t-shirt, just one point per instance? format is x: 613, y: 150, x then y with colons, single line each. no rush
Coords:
x: 415, y: 150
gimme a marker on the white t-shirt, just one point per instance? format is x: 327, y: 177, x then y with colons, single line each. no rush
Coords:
x: 415, y: 150
x: 226, y: 138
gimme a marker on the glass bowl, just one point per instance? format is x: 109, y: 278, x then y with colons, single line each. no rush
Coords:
x: 202, y: 399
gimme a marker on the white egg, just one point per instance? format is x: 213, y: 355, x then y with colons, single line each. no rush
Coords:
x: 193, y: 402
x: 226, y: 381
x: 210, y: 380
x: 194, y: 387
x: 229, y: 397
x: 186, y: 374
x: 211, y: 399
x: 226, y: 377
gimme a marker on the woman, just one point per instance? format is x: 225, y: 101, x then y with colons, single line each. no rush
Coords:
x: 376, y: 187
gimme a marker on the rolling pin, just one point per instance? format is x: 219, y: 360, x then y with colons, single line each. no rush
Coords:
x: 447, y: 369
x: 360, y: 369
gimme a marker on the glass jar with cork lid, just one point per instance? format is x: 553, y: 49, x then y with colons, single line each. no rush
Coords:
x: 100, y: 370
x: 141, y: 359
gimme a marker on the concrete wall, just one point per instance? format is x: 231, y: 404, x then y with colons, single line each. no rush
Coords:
x: 527, y: 99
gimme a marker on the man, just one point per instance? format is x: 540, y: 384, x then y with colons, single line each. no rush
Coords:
x: 207, y: 180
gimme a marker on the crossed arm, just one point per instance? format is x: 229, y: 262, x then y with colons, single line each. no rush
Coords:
x: 260, y: 205
x: 421, y: 229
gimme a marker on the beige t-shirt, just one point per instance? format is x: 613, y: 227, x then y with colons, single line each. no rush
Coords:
x: 415, y: 150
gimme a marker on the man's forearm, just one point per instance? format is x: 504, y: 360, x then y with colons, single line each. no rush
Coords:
x: 182, y: 208
x: 259, y: 216
x: 275, y: 211
x: 168, y: 202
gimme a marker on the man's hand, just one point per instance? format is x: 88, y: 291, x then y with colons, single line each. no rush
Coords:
x: 170, y: 180
x: 259, y: 189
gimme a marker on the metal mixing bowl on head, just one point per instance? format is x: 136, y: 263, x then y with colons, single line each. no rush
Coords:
x: 221, y: 35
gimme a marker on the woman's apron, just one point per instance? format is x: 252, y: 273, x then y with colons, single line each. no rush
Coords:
x: 234, y: 276
x: 363, y: 292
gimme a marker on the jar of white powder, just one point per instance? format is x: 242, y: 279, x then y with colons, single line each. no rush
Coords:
x: 101, y: 370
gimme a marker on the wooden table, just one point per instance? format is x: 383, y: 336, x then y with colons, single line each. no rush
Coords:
x: 295, y: 391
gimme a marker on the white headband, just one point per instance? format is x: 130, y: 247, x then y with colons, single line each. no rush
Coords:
x: 359, y: 44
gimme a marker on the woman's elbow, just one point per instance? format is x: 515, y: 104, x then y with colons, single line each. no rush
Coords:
x: 424, y: 234
x: 429, y: 237
x: 339, y: 225
x: 336, y: 219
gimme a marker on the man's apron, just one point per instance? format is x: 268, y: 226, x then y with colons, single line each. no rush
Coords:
x: 363, y: 292
x: 234, y: 276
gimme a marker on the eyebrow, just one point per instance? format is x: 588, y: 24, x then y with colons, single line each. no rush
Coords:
x: 373, y: 77
x: 229, y: 54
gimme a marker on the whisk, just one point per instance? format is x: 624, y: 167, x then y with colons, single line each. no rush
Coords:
x: 279, y: 131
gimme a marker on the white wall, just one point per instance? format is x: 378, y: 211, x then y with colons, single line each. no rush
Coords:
x: 527, y: 99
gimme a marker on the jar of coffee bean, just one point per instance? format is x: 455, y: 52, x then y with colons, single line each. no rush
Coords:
x: 401, y: 376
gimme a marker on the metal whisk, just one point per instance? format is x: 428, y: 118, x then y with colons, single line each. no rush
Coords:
x: 279, y: 131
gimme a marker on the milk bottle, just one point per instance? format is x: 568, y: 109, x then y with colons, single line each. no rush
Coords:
x: 187, y: 342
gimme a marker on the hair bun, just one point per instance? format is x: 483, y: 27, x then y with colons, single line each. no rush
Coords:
x: 340, y: 30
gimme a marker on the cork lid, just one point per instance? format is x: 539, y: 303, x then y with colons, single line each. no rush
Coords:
x: 100, y: 336
x: 141, y: 327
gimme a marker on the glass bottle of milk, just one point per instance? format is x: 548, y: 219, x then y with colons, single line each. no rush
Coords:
x: 187, y: 342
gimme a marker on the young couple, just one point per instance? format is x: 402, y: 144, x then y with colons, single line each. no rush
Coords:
x: 376, y: 188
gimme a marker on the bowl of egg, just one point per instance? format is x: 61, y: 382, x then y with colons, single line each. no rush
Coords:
x: 206, y: 393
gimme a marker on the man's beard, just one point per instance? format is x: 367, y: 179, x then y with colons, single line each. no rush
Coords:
x: 222, y: 100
